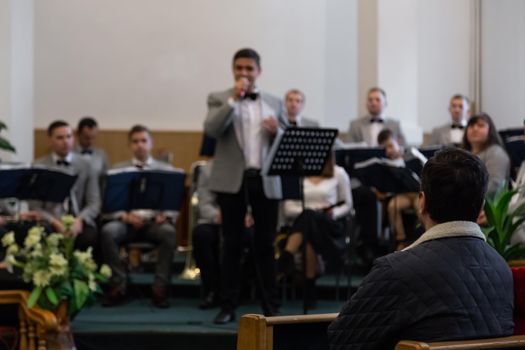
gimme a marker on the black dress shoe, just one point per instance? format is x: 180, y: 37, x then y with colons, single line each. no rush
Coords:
x: 209, y: 301
x: 224, y: 317
x: 159, y: 297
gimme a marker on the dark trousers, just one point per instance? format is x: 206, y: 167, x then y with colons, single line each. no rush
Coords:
x: 367, y: 216
x: 264, y: 211
x: 115, y: 233
x: 206, y: 242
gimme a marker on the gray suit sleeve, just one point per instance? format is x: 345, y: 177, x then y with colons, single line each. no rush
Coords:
x: 208, y: 208
x: 220, y: 116
x: 353, y: 132
x: 400, y: 135
x: 434, y: 138
x: 92, y: 203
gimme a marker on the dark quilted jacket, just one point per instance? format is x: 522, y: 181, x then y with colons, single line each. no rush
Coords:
x: 443, y: 289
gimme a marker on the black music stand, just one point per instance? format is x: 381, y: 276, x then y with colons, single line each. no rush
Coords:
x: 300, y: 152
x: 42, y: 184
x: 129, y: 189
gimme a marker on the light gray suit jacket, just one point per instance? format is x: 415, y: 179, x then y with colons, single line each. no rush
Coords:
x: 98, y: 159
x: 440, y: 136
x: 304, y: 123
x: 229, y: 163
x: 360, y: 127
x: 85, y: 192
x: 208, y: 207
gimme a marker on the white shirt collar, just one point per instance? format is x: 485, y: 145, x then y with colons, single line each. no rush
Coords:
x: 148, y: 162
x: 56, y: 157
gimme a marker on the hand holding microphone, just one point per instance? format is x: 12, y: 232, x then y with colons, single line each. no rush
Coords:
x: 240, y: 88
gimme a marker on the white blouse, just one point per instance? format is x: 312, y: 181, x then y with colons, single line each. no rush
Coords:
x: 327, y: 192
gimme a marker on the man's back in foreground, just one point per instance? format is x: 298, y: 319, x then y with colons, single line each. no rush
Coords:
x: 450, y: 284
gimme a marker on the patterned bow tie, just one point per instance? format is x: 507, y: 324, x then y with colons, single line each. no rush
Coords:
x: 86, y: 151
x: 251, y: 95
x: 456, y: 126
x: 63, y: 162
x: 376, y: 120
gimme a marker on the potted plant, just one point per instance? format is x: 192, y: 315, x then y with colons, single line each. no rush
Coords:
x: 5, y: 144
x: 63, y: 280
x: 502, y: 223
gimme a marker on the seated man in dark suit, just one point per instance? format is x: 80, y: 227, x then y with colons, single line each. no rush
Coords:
x: 84, y: 202
x: 294, y: 101
x: 448, y: 285
x: 148, y: 225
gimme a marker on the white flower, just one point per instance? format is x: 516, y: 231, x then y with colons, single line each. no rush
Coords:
x: 105, y: 271
x: 92, y: 284
x: 8, y: 239
x: 58, y: 270
x: 10, y: 260
x: 57, y: 260
x: 33, y: 237
x: 41, y: 278
x: 83, y: 257
x: 37, y: 251
x: 35, y: 231
x: 12, y: 249
x: 68, y: 221
x: 54, y: 238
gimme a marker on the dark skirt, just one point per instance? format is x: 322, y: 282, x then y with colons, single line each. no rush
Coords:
x: 326, y: 235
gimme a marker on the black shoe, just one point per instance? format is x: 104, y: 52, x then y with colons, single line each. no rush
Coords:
x: 159, y: 297
x: 115, y: 296
x: 209, y: 301
x: 224, y: 317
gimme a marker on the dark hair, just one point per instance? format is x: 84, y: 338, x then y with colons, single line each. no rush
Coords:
x: 377, y: 89
x: 248, y: 53
x: 384, y: 135
x: 136, y: 129
x: 454, y: 182
x: 493, y: 137
x: 460, y: 97
x: 55, y: 125
x: 86, y: 122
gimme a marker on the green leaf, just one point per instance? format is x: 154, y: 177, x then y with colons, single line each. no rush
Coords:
x: 51, y: 295
x: 33, y: 297
x: 81, y: 293
x: 6, y: 146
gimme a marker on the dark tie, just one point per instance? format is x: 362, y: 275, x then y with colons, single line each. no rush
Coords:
x: 293, y: 123
x: 376, y: 120
x: 86, y: 151
x: 251, y: 95
x: 456, y: 126
x: 63, y: 162
x: 139, y: 166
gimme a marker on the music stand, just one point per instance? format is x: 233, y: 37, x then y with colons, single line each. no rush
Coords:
x: 348, y: 157
x: 300, y: 152
x: 129, y: 189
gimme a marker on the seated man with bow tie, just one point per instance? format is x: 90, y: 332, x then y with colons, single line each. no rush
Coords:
x: 155, y: 226
x: 84, y: 202
x: 87, y: 131
x: 367, y: 128
x: 294, y: 101
x: 452, y: 132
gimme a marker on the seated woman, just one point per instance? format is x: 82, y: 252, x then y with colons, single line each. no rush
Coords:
x: 327, y: 199
x: 482, y: 139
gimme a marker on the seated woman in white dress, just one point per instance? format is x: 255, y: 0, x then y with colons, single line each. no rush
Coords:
x: 328, y: 199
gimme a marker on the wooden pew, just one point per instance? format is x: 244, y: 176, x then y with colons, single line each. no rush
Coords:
x: 36, y: 324
x: 257, y: 332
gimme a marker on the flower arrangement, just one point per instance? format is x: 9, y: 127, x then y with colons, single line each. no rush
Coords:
x: 57, y: 272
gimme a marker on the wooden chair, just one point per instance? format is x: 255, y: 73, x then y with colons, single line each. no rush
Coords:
x: 257, y: 332
x: 35, y: 324
x: 514, y: 342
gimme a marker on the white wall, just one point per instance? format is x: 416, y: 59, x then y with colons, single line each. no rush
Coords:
x: 503, y: 61
x: 5, y: 50
x: 130, y: 61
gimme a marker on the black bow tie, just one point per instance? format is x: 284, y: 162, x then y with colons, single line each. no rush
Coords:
x: 251, y: 95
x: 139, y: 166
x: 292, y: 123
x: 456, y: 126
x: 376, y: 120
x: 86, y: 151
x: 63, y: 162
